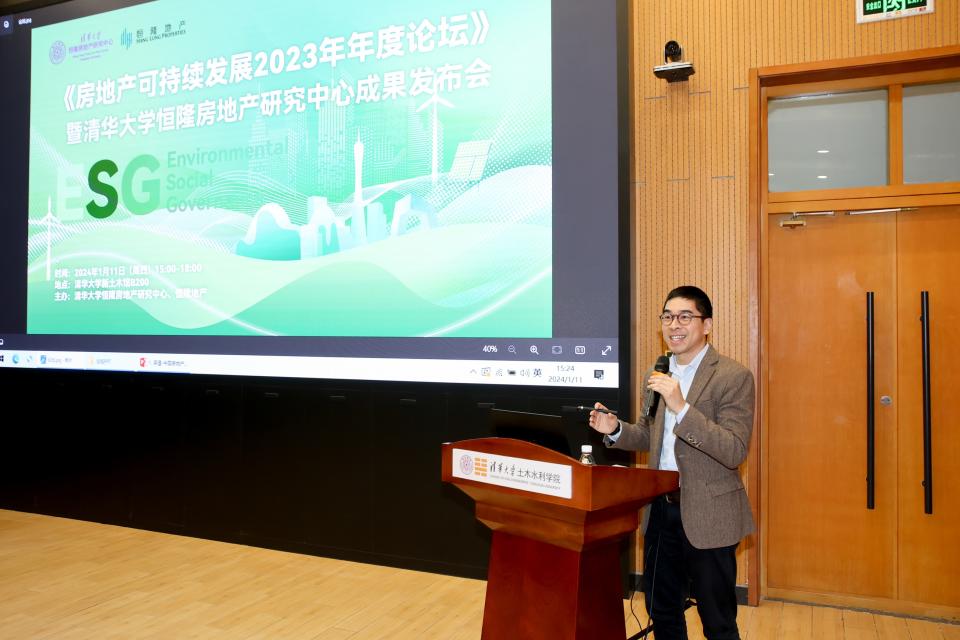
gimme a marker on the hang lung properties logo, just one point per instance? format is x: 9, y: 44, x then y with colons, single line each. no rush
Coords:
x: 154, y: 33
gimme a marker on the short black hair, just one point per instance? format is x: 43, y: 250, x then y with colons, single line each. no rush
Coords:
x: 700, y: 299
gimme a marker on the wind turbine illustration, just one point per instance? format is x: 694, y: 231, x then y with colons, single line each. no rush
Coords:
x: 48, y: 219
x: 434, y: 100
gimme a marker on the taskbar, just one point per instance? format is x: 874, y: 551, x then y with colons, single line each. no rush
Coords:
x: 525, y: 373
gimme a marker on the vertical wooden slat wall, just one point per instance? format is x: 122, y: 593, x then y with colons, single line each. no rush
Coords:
x: 691, y: 140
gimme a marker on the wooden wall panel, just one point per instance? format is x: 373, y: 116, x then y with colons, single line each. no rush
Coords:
x: 691, y: 139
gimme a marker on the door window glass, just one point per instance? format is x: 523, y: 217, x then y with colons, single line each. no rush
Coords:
x: 931, y: 133
x: 827, y: 141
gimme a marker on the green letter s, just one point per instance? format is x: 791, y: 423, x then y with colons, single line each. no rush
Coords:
x: 102, y: 188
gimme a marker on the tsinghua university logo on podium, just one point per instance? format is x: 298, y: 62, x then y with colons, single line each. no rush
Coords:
x: 473, y: 466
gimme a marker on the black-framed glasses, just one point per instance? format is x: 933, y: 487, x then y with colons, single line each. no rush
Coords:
x: 684, y: 317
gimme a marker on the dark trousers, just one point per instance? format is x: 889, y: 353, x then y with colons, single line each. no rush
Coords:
x: 674, y: 569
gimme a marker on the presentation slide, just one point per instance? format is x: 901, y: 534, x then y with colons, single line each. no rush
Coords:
x: 363, y: 182
x: 270, y: 178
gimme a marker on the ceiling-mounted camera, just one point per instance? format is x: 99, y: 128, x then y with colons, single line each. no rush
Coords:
x: 672, y: 51
x: 673, y: 69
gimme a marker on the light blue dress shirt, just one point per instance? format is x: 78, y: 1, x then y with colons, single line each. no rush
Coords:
x: 685, y: 374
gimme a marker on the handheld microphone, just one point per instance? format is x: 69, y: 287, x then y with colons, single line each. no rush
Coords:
x: 651, y: 398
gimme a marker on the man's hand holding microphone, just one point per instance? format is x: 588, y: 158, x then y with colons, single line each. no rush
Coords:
x: 669, y: 390
x: 659, y: 384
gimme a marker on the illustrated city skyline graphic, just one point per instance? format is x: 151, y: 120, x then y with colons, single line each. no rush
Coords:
x: 272, y: 235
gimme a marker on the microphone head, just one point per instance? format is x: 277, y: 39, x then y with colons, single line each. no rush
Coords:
x: 662, y: 365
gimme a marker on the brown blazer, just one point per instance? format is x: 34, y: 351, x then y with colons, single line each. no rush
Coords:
x: 712, y: 442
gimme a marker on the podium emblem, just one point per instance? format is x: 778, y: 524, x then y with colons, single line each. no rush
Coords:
x: 466, y: 465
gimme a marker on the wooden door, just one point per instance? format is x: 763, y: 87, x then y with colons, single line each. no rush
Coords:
x: 929, y: 260
x: 821, y: 536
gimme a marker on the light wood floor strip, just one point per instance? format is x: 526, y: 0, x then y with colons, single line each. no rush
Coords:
x: 71, y: 580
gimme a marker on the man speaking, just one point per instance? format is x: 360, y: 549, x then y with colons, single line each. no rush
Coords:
x: 700, y: 427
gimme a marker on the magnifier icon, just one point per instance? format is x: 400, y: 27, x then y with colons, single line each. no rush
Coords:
x: 512, y: 349
x: 533, y: 349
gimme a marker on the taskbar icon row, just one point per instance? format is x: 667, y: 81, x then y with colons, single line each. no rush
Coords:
x: 579, y: 350
x: 519, y: 372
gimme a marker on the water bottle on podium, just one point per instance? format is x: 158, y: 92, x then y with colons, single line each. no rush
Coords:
x: 586, y: 454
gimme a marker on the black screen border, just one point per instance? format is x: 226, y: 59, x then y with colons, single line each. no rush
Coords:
x: 626, y: 223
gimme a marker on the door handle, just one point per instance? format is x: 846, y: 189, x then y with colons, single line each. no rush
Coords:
x: 871, y: 406
x: 927, y: 427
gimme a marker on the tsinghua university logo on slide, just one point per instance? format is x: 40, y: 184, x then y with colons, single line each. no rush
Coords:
x: 126, y: 39
x: 89, y: 46
x: 58, y: 52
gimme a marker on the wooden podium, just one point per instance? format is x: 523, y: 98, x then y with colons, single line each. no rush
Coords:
x: 554, y: 563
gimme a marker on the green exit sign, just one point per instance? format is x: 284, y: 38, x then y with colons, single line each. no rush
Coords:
x: 873, y: 10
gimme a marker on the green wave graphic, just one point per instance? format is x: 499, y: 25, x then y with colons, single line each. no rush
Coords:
x: 451, y: 280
